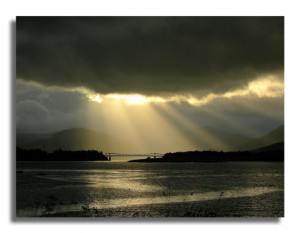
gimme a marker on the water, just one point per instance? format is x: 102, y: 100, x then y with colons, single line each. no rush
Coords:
x: 122, y: 189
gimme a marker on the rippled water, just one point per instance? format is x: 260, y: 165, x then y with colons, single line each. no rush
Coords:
x: 45, y: 188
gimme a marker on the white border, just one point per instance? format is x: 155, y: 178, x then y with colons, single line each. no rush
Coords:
x: 290, y: 9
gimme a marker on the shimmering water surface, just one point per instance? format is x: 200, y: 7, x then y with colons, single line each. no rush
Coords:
x: 123, y: 189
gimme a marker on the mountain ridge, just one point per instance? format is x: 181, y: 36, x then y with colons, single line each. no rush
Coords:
x: 203, y: 138
x: 83, y: 139
x: 274, y: 136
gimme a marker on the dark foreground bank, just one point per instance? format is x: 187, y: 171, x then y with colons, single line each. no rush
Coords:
x: 267, y: 205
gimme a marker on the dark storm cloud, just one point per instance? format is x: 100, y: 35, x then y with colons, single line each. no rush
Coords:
x: 148, y: 55
x: 44, y: 110
x: 55, y: 100
x: 31, y: 110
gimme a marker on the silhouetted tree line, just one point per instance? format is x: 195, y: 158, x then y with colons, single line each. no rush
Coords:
x: 59, y: 155
x: 215, y: 156
x: 218, y: 156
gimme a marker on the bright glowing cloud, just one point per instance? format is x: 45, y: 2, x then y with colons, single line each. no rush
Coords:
x: 129, y: 99
x: 95, y: 98
x: 268, y: 86
x: 135, y: 99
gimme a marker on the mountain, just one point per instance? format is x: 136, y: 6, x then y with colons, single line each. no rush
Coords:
x: 203, y: 138
x: 206, y: 138
x: 23, y: 139
x: 82, y: 139
x: 275, y: 136
x: 279, y: 146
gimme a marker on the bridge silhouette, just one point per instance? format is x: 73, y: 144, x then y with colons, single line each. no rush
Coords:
x: 137, y: 154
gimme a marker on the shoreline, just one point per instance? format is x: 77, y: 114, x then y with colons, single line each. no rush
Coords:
x: 268, y: 205
x: 161, y: 160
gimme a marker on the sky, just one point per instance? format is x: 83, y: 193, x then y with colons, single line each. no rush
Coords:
x: 145, y: 79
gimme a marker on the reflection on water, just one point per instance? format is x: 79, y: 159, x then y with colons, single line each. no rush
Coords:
x: 184, y: 198
x: 69, y: 186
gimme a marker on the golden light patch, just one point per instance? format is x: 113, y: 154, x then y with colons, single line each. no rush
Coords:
x: 267, y: 87
x: 95, y: 98
x: 129, y: 99
x: 135, y: 99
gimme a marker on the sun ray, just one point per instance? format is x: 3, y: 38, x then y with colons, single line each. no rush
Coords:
x: 200, y: 136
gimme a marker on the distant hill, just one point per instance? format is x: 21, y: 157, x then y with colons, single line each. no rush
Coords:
x: 82, y: 139
x: 23, y: 139
x: 279, y: 146
x: 207, y: 138
x: 275, y: 136
x: 203, y: 138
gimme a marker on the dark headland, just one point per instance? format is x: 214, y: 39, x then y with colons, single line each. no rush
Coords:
x: 60, y: 155
x: 271, y: 153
